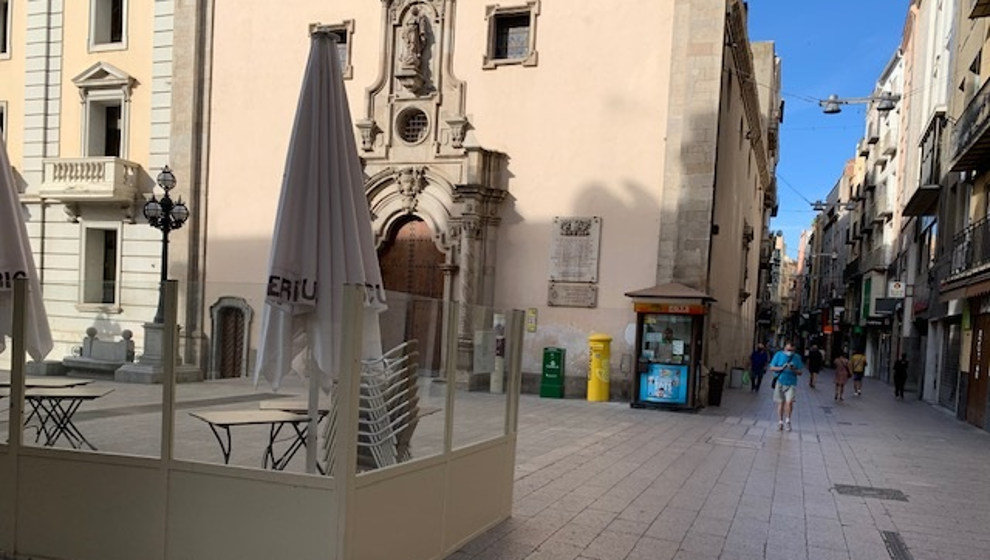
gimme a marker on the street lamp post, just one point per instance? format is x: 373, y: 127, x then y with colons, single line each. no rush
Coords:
x: 165, y: 215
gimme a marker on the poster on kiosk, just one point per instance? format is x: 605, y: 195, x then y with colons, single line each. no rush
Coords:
x: 669, y: 327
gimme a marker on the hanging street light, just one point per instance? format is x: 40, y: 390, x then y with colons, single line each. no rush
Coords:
x: 885, y: 102
x: 165, y: 215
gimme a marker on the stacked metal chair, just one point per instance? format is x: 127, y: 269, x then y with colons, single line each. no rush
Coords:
x: 387, y: 410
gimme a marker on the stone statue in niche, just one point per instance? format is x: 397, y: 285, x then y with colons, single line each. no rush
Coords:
x: 411, y: 37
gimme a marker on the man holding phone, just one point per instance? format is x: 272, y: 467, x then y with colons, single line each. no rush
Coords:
x: 785, y: 367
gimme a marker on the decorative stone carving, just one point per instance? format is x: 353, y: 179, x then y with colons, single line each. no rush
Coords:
x: 458, y: 128
x: 471, y: 227
x: 369, y: 130
x: 411, y: 181
x: 71, y: 210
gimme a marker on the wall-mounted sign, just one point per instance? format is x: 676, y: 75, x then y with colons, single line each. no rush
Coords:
x: 531, y: 316
x: 896, y: 289
x: 574, y: 247
x: 572, y: 294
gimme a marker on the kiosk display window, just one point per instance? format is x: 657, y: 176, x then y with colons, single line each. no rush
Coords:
x: 665, y: 358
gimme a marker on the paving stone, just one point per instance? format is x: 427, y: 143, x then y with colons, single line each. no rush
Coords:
x: 628, y: 526
x: 708, y: 545
x: 711, y: 526
x: 556, y: 551
x: 648, y: 548
x: 611, y: 545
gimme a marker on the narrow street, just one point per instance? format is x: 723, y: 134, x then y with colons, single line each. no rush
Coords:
x: 869, y: 478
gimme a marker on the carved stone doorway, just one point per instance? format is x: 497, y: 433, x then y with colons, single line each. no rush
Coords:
x: 412, y: 264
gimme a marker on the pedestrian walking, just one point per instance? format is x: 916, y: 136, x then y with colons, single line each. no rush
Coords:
x: 785, y: 367
x: 858, y: 365
x: 900, y: 376
x: 758, y: 366
x: 843, y: 372
x: 815, y: 363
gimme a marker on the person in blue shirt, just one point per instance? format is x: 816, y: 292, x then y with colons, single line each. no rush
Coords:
x: 785, y: 367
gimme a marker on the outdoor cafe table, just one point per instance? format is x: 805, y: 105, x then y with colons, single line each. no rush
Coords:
x: 49, y: 382
x: 53, y: 408
x: 275, y: 419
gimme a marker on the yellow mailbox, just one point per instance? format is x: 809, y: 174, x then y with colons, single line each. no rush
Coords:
x: 599, y: 354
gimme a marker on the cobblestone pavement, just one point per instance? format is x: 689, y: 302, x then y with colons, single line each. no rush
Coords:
x: 603, y: 481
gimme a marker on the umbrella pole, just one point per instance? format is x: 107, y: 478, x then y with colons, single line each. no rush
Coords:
x: 314, y: 416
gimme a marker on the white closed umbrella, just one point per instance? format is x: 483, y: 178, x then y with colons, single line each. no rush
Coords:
x: 322, y: 240
x: 16, y: 261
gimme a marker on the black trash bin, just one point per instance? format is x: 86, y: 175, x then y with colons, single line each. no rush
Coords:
x: 716, y: 381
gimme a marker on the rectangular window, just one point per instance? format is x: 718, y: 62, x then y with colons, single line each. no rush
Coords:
x: 107, y: 19
x: 341, y: 48
x: 100, y: 266
x: 342, y: 31
x: 105, y: 129
x: 512, y: 34
x: 4, y: 27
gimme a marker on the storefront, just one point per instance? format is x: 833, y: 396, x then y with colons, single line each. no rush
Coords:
x: 670, y: 323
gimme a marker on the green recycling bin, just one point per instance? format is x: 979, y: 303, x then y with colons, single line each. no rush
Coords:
x: 552, y: 380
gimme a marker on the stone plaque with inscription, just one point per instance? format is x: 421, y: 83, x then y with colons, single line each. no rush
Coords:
x: 572, y: 294
x: 574, y: 249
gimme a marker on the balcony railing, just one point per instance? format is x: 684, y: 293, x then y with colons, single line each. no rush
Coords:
x: 970, y: 248
x: 968, y: 133
x: 889, y: 143
x: 96, y: 179
x: 876, y: 259
x: 851, y: 269
x: 862, y: 147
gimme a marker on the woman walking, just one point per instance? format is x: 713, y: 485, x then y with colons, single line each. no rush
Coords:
x: 842, y: 373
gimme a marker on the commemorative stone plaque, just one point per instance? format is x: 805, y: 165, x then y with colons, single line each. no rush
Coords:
x: 574, y: 249
x: 572, y: 294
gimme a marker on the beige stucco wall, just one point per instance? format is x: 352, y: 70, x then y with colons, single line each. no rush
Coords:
x: 135, y: 60
x: 12, y: 82
x: 583, y: 131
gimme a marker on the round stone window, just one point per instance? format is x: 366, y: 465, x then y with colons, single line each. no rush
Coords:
x: 413, y: 125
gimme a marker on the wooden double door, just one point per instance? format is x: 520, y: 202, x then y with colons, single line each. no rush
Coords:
x: 411, y: 264
x: 979, y: 371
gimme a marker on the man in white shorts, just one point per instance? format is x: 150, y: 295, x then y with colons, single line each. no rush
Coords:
x: 785, y: 367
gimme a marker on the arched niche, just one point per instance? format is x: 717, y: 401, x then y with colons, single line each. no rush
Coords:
x: 230, y: 345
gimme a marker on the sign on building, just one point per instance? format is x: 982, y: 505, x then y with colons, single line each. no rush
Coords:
x: 896, y: 289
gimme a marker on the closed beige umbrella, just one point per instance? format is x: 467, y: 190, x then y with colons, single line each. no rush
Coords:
x: 322, y: 240
x: 16, y: 261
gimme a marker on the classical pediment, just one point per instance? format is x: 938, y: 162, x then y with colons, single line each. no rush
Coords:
x: 104, y: 76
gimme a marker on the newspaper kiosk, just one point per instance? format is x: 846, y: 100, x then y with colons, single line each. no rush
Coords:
x: 670, y: 323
